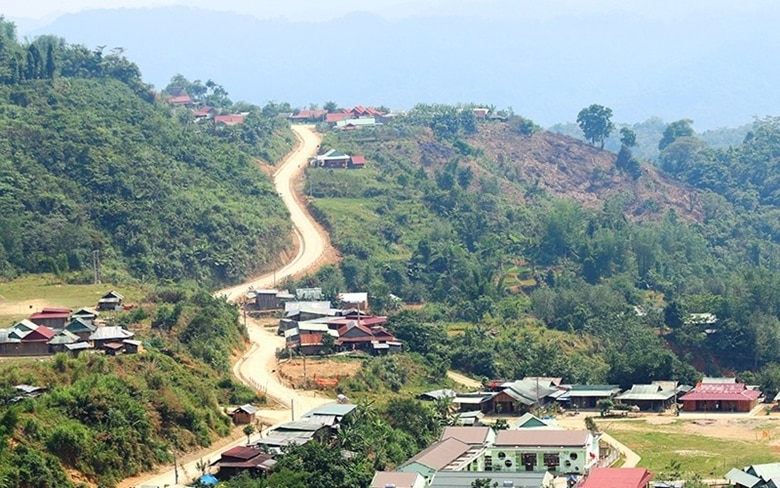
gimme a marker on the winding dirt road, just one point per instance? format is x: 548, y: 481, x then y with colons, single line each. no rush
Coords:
x: 257, y: 367
x: 312, y: 238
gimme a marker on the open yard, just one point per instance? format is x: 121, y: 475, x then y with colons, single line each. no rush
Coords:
x: 23, y: 296
x: 328, y: 371
x: 707, y: 446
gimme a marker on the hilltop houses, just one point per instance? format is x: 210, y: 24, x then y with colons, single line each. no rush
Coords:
x: 54, y: 330
x: 335, y: 159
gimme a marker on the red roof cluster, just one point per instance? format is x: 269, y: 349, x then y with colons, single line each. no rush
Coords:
x: 361, y: 111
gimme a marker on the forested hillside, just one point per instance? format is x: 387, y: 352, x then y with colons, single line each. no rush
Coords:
x: 91, y: 159
x: 105, y: 418
x: 518, y: 232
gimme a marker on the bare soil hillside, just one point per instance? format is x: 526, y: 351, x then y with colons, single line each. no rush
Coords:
x: 567, y: 168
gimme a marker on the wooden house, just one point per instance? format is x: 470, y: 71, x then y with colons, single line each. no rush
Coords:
x: 109, y: 334
x: 54, y: 318
x: 720, y: 397
x: 111, y: 301
x: 132, y: 346
x: 244, y: 458
x: 36, y: 343
x: 81, y: 328
x: 63, y: 337
x: 245, y: 414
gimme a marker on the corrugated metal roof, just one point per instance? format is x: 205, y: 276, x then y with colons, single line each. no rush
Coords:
x: 742, y: 478
x: 247, y: 408
x: 767, y: 471
x: 440, y: 453
x: 464, y: 479
x: 399, y: 479
x: 64, y: 337
x: 109, y: 333
x: 646, y: 393
x: 469, y: 435
x: 337, y: 409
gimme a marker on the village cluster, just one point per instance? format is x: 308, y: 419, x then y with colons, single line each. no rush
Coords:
x: 530, y: 452
x: 54, y: 330
x: 310, y: 325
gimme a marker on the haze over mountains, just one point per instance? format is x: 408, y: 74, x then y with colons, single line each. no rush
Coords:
x: 714, y: 67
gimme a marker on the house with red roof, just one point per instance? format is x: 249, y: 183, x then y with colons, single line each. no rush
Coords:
x: 241, y: 458
x: 337, y: 117
x: 54, y: 318
x: 181, y: 100
x: 720, y: 397
x: 36, y: 342
x: 357, y: 162
x: 232, y: 119
x: 204, y: 113
x: 356, y: 335
x: 618, y: 478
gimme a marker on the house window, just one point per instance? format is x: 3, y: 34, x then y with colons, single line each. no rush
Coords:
x: 552, y: 460
x: 573, y: 456
x: 488, y: 463
x: 528, y: 460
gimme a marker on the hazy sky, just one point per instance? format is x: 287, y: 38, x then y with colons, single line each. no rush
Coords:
x: 329, y: 9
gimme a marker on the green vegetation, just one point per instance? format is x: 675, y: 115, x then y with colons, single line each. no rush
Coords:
x: 113, y: 417
x: 92, y: 162
x: 430, y: 222
x: 376, y: 438
x: 662, y: 446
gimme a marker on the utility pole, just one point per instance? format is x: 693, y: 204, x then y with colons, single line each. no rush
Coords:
x: 96, y: 265
x: 175, y: 464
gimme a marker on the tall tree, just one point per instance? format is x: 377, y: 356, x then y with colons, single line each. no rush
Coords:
x: 674, y: 131
x: 595, y: 123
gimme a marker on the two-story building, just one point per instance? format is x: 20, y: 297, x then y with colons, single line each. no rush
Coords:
x: 558, y: 451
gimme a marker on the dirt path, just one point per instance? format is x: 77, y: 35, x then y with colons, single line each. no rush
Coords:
x: 257, y: 367
x: 463, y: 380
x: 314, y: 244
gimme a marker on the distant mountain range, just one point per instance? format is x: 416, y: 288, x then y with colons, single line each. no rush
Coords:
x: 717, y: 70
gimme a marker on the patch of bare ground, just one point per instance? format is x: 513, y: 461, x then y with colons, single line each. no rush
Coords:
x: 567, y: 168
x: 326, y: 372
x: 765, y: 429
